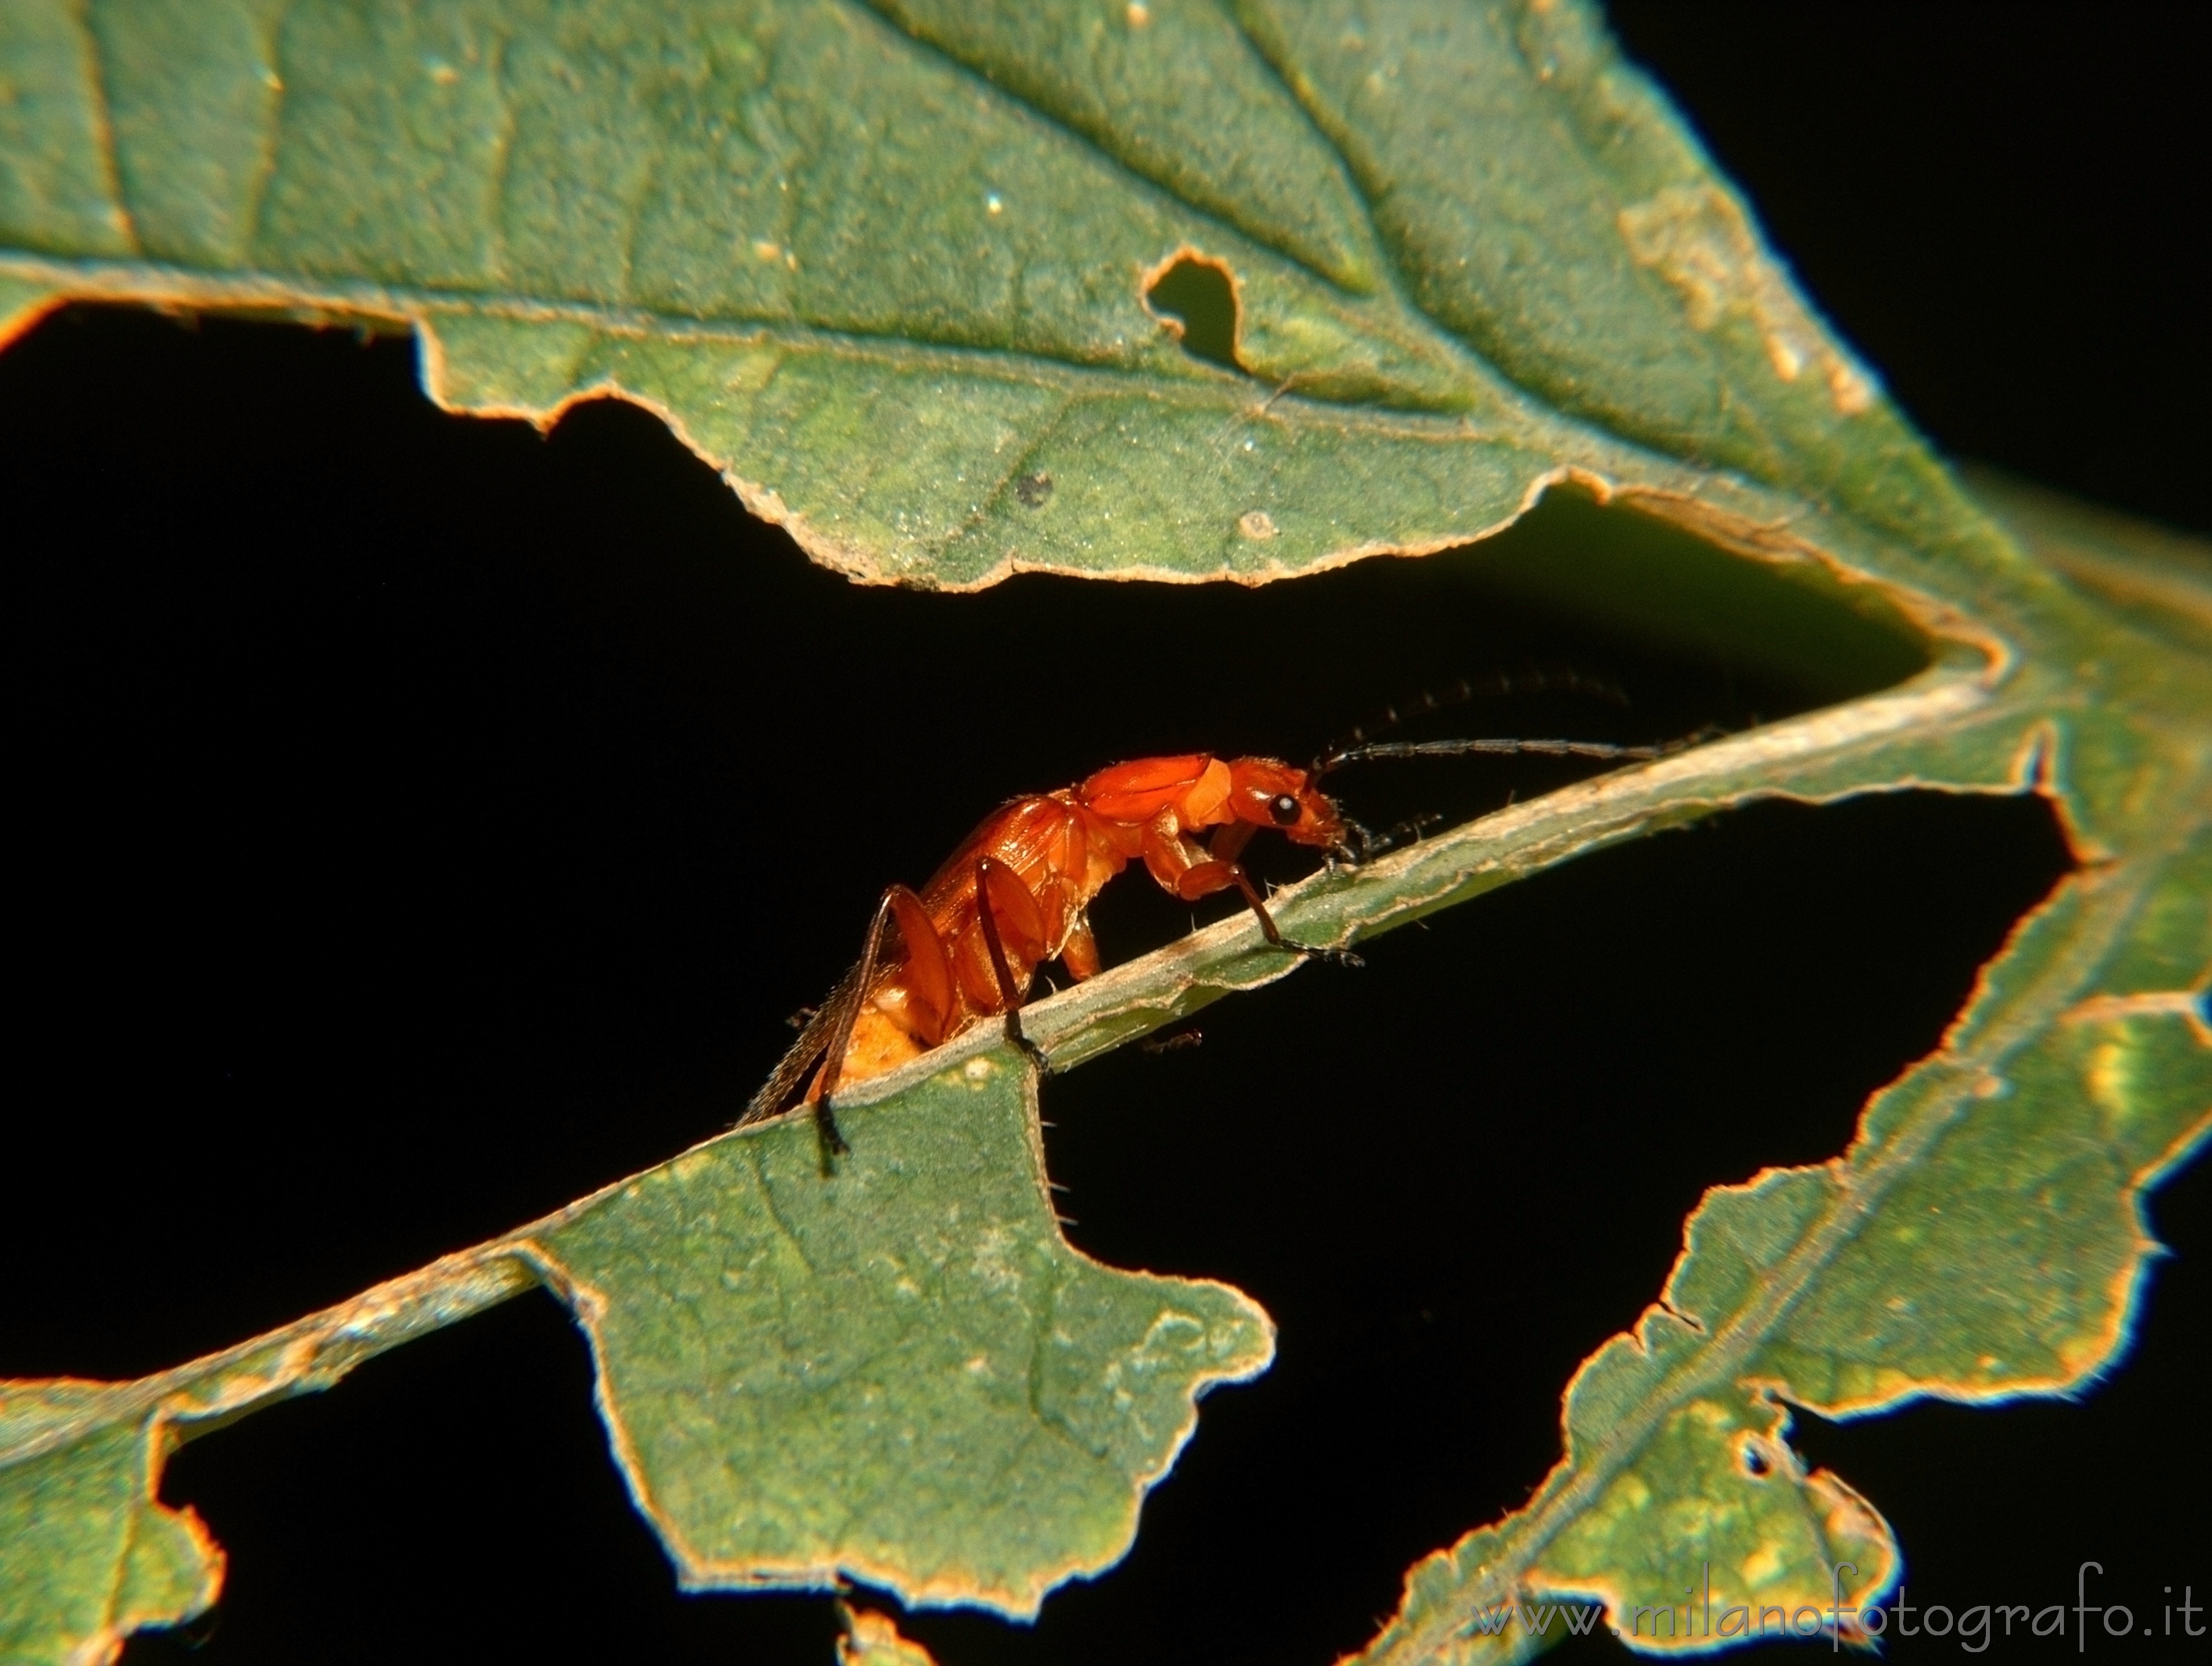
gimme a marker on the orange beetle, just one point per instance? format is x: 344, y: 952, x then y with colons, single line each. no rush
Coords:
x: 1016, y: 895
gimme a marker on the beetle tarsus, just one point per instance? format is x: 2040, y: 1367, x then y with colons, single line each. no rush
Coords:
x: 826, y: 1135
x: 1016, y: 1039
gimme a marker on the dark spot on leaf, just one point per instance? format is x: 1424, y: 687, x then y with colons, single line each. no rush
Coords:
x: 1194, y: 298
x: 1033, y: 490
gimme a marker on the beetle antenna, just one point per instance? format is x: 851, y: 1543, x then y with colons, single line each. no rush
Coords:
x: 1600, y: 749
x: 1557, y: 679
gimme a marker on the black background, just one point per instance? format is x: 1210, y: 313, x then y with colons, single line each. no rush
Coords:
x: 420, y: 822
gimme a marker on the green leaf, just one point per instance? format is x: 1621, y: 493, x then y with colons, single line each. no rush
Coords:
x: 1981, y: 1238
x: 93, y: 1555
x: 21, y: 306
x: 901, y: 1373
x: 884, y: 268
x: 728, y: 214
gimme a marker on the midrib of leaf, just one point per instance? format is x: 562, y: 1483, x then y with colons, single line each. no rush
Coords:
x: 1089, y: 1018
x: 206, y: 1394
x: 1078, y: 1023
x: 318, y: 297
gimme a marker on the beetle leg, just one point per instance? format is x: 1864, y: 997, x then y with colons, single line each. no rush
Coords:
x: 1203, y: 879
x: 1242, y: 881
x: 1191, y: 871
x: 1080, y: 952
x: 987, y: 870
x: 928, y: 969
x: 1228, y: 844
x: 925, y: 954
x: 789, y: 1078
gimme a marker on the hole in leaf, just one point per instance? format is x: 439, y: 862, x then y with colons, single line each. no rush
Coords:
x: 1754, y: 1462
x: 1196, y: 299
x: 469, y: 1462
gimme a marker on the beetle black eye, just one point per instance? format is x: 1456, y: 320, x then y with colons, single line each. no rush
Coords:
x: 1284, y: 808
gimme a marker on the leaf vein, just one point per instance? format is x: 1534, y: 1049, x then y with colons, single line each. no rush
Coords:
x: 161, y: 283
x: 1044, y: 117
x: 103, y: 122
x: 265, y: 171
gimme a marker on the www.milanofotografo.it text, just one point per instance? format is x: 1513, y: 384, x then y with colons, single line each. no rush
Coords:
x: 1702, y: 1616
